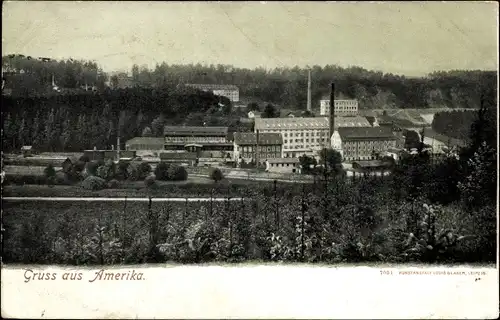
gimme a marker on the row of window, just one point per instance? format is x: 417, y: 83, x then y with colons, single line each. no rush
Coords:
x: 302, y: 134
x: 368, y: 145
x: 261, y: 155
x: 307, y: 140
x: 282, y: 165
x: 367, y: 157
x: 261, y: 148
x: 195, y: 139
x: 340, y: 102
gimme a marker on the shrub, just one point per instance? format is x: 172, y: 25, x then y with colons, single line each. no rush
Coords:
x: 51, y: 181
x: 113, y: 184
x: 107, y: 171
x: 93, y: 183
x: 150, y: 181
x: 49, y: 171
x: 162, y: 171
x: 91, y: 168
x: 61, y: 178
x: 84, y: 158
x: 122, y: 170
x: 143, y: 170
x: 177, y: 173
x: 216, y: 175
x: 79, y: 166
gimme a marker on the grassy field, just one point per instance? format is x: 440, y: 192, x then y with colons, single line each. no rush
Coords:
x: 194, y: 187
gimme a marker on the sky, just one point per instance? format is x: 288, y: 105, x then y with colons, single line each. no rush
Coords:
x: 412, y: 38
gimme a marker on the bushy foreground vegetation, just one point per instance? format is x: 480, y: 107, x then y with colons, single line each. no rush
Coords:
x: 360, y: 221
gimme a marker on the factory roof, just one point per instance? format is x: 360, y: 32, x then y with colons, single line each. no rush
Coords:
x: 366, y: 133
x: 283, y: 160
x: 178, y: 156
x: 251, y: 138
x: 309, y: 123
x: 291, y: 123
x: 194, y: 131
x: 146, y: 140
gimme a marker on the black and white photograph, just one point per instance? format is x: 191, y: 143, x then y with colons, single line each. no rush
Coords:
x: 191, y: 134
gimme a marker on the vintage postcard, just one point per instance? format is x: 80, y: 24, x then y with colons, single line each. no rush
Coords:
x: 241, y: 160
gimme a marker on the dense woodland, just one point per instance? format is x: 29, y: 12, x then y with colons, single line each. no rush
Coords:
x: 373, y: 89
x: 75, y: 122
x: 455, y: 124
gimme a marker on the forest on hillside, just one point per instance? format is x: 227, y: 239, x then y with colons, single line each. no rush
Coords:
x: 86, y: 120
x: 454, y: 124
x: 374, y: 90
x: 286, y: 87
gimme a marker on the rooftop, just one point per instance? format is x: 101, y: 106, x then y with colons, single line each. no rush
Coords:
x: 195, y: 131
x: 178, y: 156
x: 212, y: 86
x: 360, y: 133
x: 327, y: 98
x: 283, y: 160
x: 146, y: 140
x: 369, y: 164
x: 310, y: 123
x: 251, y: 138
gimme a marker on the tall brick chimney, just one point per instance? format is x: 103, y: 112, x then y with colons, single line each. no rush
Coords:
x: 332, y: 110
x: 257, y: 160
x: 309, y: 108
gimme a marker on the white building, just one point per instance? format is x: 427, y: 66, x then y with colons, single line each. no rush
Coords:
x: 342, y: 107
x: 283, y: 165
x: 305, y: 135
x: 229, y: 91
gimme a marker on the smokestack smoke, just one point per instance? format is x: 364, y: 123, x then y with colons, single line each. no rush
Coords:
x: 309, y: 91
x: 332, y: 110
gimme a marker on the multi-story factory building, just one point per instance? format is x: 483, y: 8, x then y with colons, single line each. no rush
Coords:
x: 257, y: 147
x: 364, y: 143
x: 305, y: 135
x: 343, y: 108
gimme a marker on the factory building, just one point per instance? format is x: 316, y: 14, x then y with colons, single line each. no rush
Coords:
x: 194, y: 139
x: 365, y: 143
x: 256, y: 147
x: 305, y: 135
x: 343, y: 108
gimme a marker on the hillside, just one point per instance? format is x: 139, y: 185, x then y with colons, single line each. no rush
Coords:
x: 284, y: 86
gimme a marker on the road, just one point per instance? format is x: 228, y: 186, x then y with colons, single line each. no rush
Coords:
x: 95, y: 199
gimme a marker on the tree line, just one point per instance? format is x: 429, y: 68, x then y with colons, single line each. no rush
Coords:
x: 288, y: 86
x: 455, y: 124
x: 282, y: 86
x: 27, y: 76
